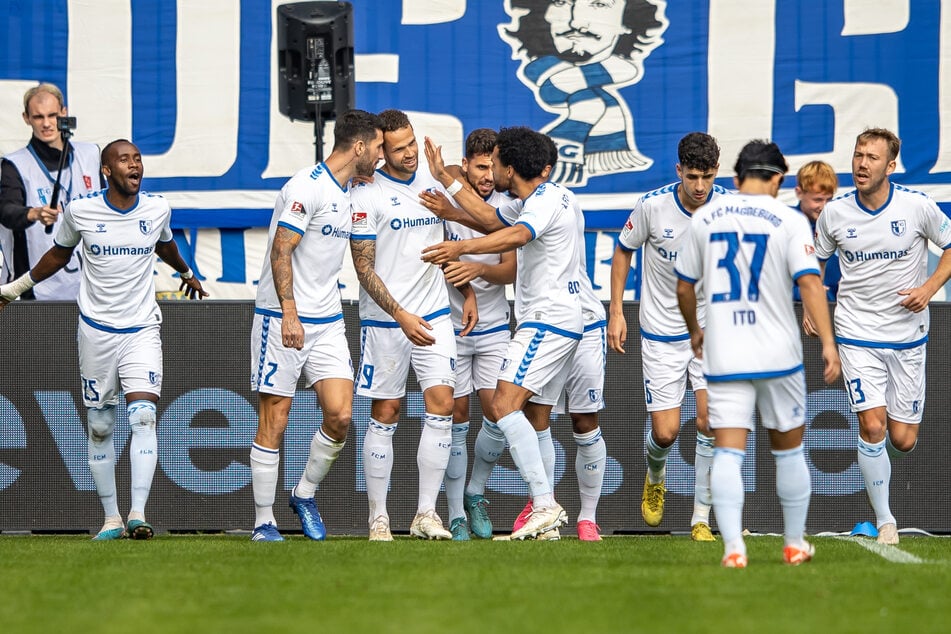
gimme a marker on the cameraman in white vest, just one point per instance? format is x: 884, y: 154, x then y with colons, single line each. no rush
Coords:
x: 27, y: 177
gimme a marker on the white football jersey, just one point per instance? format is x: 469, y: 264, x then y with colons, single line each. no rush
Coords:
x: 659, y: 222
x: 548, y: 279
x: 117, y: 291
x: 388, y: 211
x: 313, y: 204
x: 748, y: 250
x: 490, y: 298
x: 881, y: 252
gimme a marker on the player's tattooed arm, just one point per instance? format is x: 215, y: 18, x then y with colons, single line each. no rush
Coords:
x: 285, y: 241
x: 364, y: 260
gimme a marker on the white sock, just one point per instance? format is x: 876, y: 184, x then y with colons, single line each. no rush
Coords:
x: 455, y: 480
x: 102, y: 456
x: 656, y: 460
x: 546, y: 447
x: 726, y: 484
x: 323, y: 453
x: 590, y: 459
x: 377, y: 465
x: 523, y: 444
x: 702, y: 462
x: 489, y: 445
x: 877, y: 470
x: 143, y: 452
x: 264, y: 468
x: 432, y: 456
x: 794, y: 488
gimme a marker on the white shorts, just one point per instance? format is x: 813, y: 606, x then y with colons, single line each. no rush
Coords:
x: 478, y: 359
x: 275, y: 369
x: 539, y: 360
x: 387, y: 355
x: 110, y: 360
x: 585, y: 383
x: 885, y: 377
x: 781, y: 402
x: 666, y: 366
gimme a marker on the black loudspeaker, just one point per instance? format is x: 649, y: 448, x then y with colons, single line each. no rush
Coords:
x: 315, y: 59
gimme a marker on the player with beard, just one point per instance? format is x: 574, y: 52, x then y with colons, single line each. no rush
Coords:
x: 480, y: 353
x: 120, y: 348
x: 881, y: 231
x: 298, y: 321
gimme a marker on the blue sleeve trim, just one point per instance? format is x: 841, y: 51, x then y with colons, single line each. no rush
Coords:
x: 290, y: 227
x: 796, y: 276
x: 681, y: 276
x: 530, y: 228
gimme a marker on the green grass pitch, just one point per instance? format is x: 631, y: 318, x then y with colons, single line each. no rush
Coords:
x: 658, y: 584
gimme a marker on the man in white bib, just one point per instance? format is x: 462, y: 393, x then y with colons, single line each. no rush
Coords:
x: 27, y: 178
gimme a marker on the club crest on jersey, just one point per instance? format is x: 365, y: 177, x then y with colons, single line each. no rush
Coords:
x: 153, y: 378
x: 359, y: 219
x: 898, y: 227
x: 594, y: 395
x: 145, y: 226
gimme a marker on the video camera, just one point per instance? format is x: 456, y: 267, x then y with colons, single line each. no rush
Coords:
x: 65, y: 124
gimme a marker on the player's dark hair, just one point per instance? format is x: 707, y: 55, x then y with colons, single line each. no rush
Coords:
x: 480, y: 141
x: 353, y: 126
x: 524, y: 150
x: 698, y: 151
x: 761, y: 160
x: 552, y: 149
x: 394, y: 120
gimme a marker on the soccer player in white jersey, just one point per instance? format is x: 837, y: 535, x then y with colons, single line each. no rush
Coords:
x: 479, y: 354
x: 881, y: 231
x: 548, y: 234
x: 748, y: 249
x: 659, y: 223
x: 120, y: 349
x: 298, y: 322
x: 404, y: 318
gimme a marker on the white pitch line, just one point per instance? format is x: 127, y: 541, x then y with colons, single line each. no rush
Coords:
x: 885, y: 551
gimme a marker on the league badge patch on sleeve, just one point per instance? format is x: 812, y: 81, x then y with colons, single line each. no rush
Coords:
x: 297, y: 208
x: 359, y: 221
x: 810, y: 250
x: 87, y: 181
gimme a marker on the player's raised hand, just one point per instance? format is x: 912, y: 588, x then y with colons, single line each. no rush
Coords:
x: 439, y: 205
x: 434, y: 157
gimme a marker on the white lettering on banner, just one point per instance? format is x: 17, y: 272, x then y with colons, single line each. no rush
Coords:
x: 855, y: 107
x: 869, y: 17
x: 207, y: 88
x: 100, y: 45
x: 432, y: 11
x: 745, y: 110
